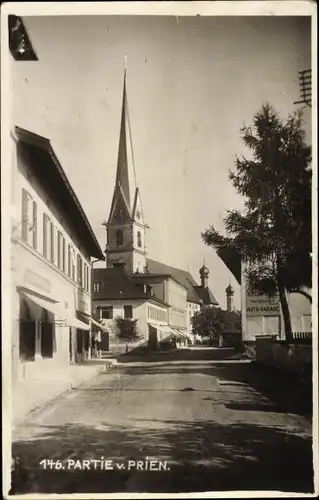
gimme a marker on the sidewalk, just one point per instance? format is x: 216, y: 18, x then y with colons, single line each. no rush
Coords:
x: 28, y: 396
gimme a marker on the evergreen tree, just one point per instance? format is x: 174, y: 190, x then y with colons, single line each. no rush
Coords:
x: 272, y: 233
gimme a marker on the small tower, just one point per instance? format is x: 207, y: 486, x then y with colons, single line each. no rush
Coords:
x: 230, y: 298
x: 204, y: 273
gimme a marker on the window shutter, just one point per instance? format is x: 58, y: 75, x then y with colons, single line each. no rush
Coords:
x: 34, y: 225
x: 24, y: 226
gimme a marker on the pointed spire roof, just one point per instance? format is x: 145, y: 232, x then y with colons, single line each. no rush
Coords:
x: 125, y: 184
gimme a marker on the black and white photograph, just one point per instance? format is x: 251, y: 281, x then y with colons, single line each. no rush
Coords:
x: 159, y: 249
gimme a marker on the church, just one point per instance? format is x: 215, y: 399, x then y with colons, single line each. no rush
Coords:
x: 162, y: 298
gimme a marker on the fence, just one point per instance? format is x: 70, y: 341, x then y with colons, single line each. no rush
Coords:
x: 302, y: 337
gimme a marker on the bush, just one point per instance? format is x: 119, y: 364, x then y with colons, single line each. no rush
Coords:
x: 126, y: 329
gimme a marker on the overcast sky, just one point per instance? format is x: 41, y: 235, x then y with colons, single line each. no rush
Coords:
x: 191, y: 82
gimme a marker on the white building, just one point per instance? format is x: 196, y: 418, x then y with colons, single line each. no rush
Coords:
x: 51, y: 248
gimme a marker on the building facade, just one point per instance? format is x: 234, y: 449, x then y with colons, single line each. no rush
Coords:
x: 51, y: 248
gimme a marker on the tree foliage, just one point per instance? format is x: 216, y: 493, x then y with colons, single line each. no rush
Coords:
x: 273, y: 231
x: 209, y: 322
x: 126, y: 329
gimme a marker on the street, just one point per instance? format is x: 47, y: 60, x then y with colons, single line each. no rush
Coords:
x: 212, y: 421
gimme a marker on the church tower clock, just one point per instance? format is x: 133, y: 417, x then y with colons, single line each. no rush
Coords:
x: 126, y: 227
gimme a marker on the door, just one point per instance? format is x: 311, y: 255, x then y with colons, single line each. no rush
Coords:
x: 272, y: 325
x: 27, y: 333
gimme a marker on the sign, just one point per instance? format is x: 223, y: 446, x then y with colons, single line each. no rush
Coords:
x: 83, y: 302
x: 261, y: 305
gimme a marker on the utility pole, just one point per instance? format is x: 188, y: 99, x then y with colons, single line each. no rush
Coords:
x: 305, y: 87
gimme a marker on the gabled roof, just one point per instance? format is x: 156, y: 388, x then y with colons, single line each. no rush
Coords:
x: 44, y: 163
x: 206, y: 296
x: 118, y: 285
x: 183, y: 276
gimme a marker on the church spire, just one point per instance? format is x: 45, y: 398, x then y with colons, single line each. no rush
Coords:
x: 125, y: 184
x: 126, y: 228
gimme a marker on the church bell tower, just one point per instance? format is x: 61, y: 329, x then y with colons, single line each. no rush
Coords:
x: 126, y: 227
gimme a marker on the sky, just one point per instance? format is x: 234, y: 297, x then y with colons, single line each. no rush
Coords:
x: 192, y: 83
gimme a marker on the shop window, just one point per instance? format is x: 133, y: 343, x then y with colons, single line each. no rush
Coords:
x: 128, y: 312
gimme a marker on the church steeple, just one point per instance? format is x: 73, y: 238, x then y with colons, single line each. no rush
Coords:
x: 126, y: 227
x: 125, y: 184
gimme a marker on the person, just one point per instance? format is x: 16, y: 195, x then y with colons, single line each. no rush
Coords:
x: 98, y: 340
x: 93, y: 341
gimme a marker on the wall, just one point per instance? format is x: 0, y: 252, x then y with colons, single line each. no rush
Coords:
x: 301, y: 320
x: 45, y: 205
x: 139, y: 312
x: 176, y: 296
x: 259, y: 324
x: 134, y: 259
x: 192, y: 307
x: 290, y: 358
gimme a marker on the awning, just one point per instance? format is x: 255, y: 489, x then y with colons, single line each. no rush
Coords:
x: 88, y: 320
x: 186, y: 335
x: 56, y: 309
x: 96, y: 323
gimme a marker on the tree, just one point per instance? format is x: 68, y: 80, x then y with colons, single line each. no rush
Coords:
x: 209, y: 322
x: 126, y: 330
x: 272, y: 233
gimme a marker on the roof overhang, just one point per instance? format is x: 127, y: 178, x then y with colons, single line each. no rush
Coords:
x: 148, y: 277
x: 19, y: 42
x: 232, y: 261
x: 43, y: 161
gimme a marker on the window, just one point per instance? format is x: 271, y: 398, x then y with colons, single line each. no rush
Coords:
x: 29, y: 219
x: 80, y: 270
x: 128, y: 312
x: 139, y: 239
x: 119, y: 264
x: 86, y: 277
x: 119, y: 237
x: 71, y: 263
x: 46, y: 235
x: 60, y: 249
x: 63, y: 255
x: 97, y: 287
x: 106, y: 312
x: 34, y: 226
x: 52, y: 231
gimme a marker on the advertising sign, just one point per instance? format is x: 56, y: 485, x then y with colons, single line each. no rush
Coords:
x: 261, y: 305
